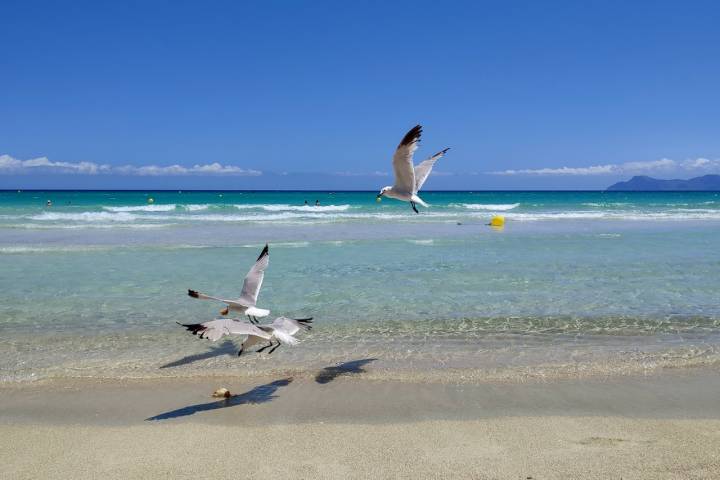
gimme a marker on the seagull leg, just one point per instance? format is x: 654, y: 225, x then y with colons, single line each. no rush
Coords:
x: 278, y: 344
x: 266, y: 346
x: 414, y: 207
x: 256, y: 320
x: 240, y: 352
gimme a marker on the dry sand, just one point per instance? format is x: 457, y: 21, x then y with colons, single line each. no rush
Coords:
x: 664, y: 426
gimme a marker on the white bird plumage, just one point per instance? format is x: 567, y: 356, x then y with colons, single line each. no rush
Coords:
x: 246, y: 303
x: 214, y: 330
x: 410, y: 178
x: 282, y: 330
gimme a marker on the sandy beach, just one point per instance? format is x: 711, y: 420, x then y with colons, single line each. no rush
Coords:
x: 338, y: 425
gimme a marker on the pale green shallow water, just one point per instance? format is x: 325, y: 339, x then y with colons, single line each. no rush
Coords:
x: 576, y: 282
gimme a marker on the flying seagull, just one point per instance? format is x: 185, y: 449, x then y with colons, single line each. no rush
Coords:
x: 409, y: 179
x: 214, y: 330
x: 281, y: 331
x: 248, y: 297
x: 279, y: 328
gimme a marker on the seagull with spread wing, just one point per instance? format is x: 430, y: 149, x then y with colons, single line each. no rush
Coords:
x: 246, y: 304
x: 218, y: 328
x: 281, y: 331
x: 409, y: 179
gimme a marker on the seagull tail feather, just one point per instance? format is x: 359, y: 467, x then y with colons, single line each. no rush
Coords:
x: 418, y: 200
x: 284, y: 338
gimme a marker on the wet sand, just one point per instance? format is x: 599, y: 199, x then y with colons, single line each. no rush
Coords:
x: 340, y: 425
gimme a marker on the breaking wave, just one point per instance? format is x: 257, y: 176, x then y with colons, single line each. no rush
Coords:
x: 86, y: 217
x: 501, y: 207
x: 143, y: 208
x: 293, y: 208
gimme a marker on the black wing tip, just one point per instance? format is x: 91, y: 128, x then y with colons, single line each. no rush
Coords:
x: 305, y: 322
x: 443, y: 152
x: 412, y: 136
x: 195, y: 328
x: 264, y: 252
x: 193, y: 294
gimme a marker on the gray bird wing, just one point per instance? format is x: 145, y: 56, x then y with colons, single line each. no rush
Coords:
x: 423, y: 169
x: 254, y: 279
x: 403, y: 161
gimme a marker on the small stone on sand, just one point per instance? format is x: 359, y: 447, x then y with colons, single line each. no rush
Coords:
x: 221, y: 392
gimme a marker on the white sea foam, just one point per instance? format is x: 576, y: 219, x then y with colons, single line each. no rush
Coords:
x: 618, y: 215
x: 291, y: 244
x: 196, y: 207
x: 143, y: 208
x: 697, y: 210
x: 85, y: 217
x: 303, y: 217
x: 84, y: 226
x: 219, y: 217
x: 192, y: 207
x: 500, y: 207
x: 293, y: 208
x: 187, y: 214
x: 605, y: 204
x: 18, y: 249
x: 428, y: 241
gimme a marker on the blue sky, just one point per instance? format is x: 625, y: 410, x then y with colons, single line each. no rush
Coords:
x: 558, y: 94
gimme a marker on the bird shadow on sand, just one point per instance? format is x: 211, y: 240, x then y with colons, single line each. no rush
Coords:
x: 226, y: 348
x: 260, y: 394
x: 328, y: 374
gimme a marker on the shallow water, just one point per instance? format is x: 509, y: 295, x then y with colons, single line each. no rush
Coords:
x: 576, y: 281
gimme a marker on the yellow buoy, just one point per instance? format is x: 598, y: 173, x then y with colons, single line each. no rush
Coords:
x: 151, y: 200
x: 378, y: 199
x: 497, y: 221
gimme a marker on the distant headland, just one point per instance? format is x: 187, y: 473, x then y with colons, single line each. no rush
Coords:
x: 645, y: 183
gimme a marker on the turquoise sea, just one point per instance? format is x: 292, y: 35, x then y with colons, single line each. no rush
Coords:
x: 576, y: 283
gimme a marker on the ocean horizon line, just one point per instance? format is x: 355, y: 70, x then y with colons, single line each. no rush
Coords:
x: 175, y: 190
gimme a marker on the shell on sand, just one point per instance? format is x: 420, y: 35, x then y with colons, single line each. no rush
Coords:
x: 221, y: 392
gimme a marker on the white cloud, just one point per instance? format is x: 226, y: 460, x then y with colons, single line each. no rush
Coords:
x: 355, y: 174
x: 436, y: 173
x: 665, y: 165
x: 207, y: 169
x: 593, y: 170
x: 379, y: 173
x: 9, y: 164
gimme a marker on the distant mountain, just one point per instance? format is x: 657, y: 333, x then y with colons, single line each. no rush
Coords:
x: 644, y: 183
